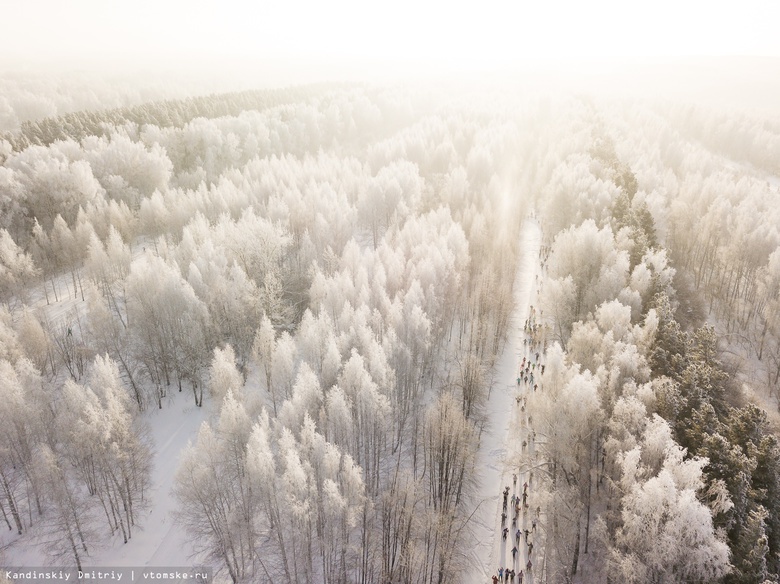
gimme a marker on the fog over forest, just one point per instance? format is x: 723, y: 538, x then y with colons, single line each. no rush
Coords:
x: 323, y: 293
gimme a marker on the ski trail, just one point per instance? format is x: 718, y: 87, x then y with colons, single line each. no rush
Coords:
x: 500, y: 450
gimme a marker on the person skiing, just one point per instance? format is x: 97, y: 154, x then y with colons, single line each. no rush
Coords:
x: 503, y: 518
x: 514, y: 552
x: 530, y: 548
x: 506, y: 530
x: 517, y: 536
x: 500, y: 573
x: 528, y: 566
x: 514, y: 478
x: 495, y: 579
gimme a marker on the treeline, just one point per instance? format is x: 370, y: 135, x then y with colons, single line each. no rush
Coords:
x: 167, y: 113
x: 26, y: 96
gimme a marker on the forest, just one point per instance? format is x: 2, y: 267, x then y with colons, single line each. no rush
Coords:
x: 279, y: 333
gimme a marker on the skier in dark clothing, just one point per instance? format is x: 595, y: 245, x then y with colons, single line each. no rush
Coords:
x: 514, y: 552
x: 506, y: 530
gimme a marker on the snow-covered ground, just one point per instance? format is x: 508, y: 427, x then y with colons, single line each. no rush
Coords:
x: 156, y: 541
x: 501, y: 453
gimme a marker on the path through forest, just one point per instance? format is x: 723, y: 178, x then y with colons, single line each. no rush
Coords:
x: 501, y: 445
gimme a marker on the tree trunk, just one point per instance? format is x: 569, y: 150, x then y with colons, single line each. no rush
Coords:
x: 11, y: 503
x: 575, y: 559
x: 5, y: 516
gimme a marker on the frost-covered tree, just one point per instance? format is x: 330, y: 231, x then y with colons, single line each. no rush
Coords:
x: 665, y: 533
x: 208, y: 492
x: 263, y: 349
x: 106, y: 446
x: 16, y: 268
x: 169, y: 324
x: 224, y: 377
x: 585, y: 269
x: 69, y: 517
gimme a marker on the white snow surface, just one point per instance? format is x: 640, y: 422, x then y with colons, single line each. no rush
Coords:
x: 500, y: 453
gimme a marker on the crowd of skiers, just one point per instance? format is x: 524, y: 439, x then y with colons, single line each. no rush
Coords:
x: 530, y: 370
x: 509, y: 574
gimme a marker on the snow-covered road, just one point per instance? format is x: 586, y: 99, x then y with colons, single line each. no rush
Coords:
x: 501, y: 450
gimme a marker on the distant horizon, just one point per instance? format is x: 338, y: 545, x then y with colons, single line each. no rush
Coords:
x: 468, y: 36
x: 731, y: 81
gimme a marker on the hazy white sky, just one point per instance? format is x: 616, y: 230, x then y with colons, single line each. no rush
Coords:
x: 457, y: 33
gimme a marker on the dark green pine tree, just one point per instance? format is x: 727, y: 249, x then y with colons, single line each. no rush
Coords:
x: 766, y: 483
x: 668, y: 356
x: 749, y: 554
